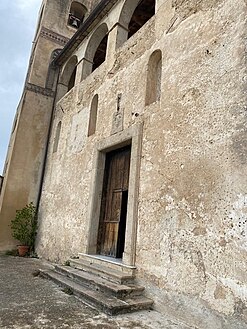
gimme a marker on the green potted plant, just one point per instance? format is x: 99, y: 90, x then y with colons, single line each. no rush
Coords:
x: 24, y: 227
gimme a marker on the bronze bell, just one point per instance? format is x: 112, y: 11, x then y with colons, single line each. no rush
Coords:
x: 75, y: 22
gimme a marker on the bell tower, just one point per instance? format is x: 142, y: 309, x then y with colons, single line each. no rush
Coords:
x: 58, y: 21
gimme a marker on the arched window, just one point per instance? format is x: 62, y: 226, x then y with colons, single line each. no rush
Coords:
x: 143, y: 12
x: 57, y: 136
x: 100, y: 53
x: 93, y: 115
x: 95, y: 53
x: 67, y: 79
x: 134, y: 15
x: 51, y: 75
x: 153, y: 88
x: 76, y: 14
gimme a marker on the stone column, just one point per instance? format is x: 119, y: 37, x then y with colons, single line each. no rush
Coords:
x: 61, y: 91
x: 78, y: 73
x: 86, y: 68
x: 116, y: 37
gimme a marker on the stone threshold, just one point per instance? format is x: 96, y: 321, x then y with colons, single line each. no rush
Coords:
x: 118, y: 262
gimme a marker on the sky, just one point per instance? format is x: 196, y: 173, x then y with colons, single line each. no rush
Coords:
x: 17, y: 28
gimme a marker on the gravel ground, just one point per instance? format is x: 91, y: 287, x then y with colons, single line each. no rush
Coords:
x: 28, y: 301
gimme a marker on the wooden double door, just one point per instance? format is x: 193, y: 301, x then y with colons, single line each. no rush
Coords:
x: 111, y: 237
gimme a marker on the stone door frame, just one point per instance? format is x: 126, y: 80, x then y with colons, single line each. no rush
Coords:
x: 133, y: 136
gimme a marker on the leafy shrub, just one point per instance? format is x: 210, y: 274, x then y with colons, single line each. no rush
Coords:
x: 24, y: 225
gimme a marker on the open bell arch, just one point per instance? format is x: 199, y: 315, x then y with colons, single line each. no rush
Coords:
x: 96, y: 50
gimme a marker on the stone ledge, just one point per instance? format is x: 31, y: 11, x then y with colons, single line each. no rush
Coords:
x: 39, y: 90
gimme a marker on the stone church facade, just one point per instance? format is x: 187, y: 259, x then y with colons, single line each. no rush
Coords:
x: 131, y: 138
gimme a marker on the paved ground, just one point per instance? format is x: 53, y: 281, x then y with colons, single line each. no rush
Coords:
x: 29, y: 302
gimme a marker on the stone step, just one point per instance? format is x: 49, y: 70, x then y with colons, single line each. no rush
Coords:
x: 96, y: 282
x: 113, y: 263
x: 97, y: 299
x: 102, y: 270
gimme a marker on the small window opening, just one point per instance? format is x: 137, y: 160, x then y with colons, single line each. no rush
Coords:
x: 57, y: 136
x: 153, y: 88
x: 143, y: 12
x: 100, y: 54
x: 93, y: 115
x: 76, y: 14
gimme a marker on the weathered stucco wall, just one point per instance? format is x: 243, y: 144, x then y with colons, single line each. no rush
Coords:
x: 191, y: 240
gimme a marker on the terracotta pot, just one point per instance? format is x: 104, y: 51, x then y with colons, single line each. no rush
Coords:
x: 23, y: 250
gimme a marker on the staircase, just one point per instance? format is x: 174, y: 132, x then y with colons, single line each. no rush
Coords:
x: 108, y: 286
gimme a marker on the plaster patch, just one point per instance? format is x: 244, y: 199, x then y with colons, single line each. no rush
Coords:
x: 78, y: 132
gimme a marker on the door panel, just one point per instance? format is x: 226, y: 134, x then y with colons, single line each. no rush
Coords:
x: 109, y: 245
x: 115, y: 206
x: 114, y: 203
